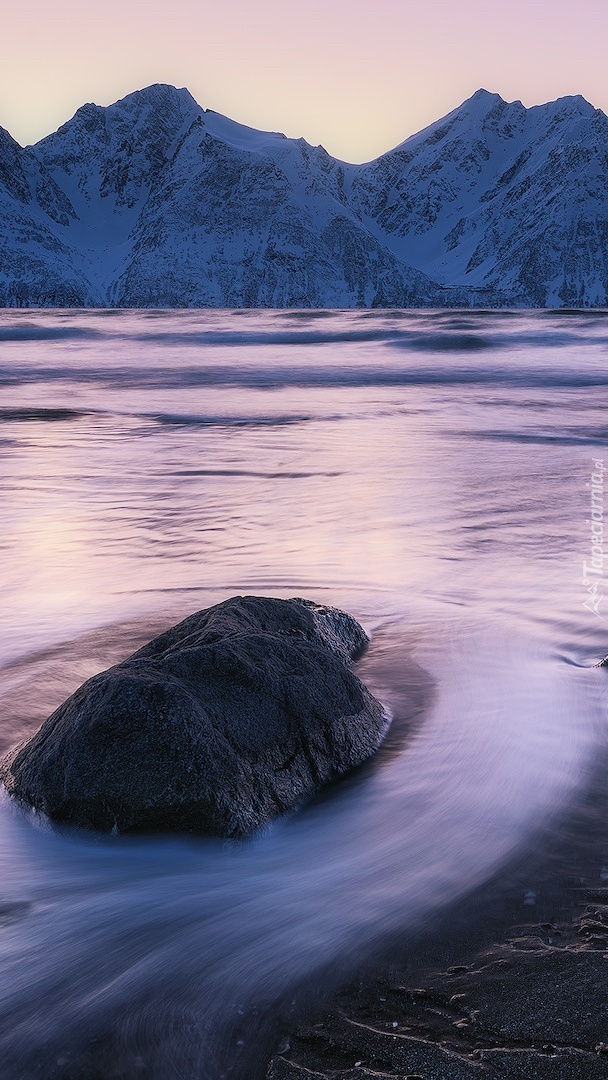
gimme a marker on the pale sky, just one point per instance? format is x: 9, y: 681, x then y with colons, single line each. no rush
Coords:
x: 355, y: 76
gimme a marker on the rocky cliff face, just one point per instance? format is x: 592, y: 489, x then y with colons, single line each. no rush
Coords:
x: 154, y: 201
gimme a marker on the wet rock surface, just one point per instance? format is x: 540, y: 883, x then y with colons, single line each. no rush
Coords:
x: 237, y: 714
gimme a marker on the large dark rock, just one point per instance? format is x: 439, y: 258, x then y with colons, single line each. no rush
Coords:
x: 233, y: 716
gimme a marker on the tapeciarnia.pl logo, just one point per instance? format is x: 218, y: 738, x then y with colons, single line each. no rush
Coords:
x: 593, y: 571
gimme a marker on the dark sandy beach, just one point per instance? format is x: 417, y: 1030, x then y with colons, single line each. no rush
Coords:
x: 513, y: 984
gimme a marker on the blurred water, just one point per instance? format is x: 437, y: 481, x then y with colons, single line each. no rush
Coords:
x: 428, y: 472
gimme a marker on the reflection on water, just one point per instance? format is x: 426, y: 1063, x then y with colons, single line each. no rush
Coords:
x: 425, y: 471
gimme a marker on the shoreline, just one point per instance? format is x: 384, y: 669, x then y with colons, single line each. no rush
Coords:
x: 511, y: 984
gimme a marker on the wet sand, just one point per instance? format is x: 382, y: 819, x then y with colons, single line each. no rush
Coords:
x: 514, y: 983
x: 511, y: 982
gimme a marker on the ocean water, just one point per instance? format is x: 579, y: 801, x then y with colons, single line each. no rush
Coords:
x: 430, y: 473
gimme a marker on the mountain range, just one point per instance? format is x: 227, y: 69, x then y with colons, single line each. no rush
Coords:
x: 157, y: 202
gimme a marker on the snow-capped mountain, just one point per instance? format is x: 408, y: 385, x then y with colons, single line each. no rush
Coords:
x: 238, y: 217
x: 169, y: 205
x: 498, y: 196
x: 154, y: 201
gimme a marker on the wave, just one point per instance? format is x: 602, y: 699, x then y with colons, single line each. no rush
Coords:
x: 165, y: 954
x: 181, y: 420
x: 24, y: 413
x: 450, y: 342
x: 435, y: 332
x: 270, y: 337
x: 457, y: 335
x: 252, y: 472
x: 599, y: 438
x: 452, y: 339
x: 34, y: 332
x: 276, y: 378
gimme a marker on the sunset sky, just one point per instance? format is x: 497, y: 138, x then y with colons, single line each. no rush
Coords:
x: 356, y: 76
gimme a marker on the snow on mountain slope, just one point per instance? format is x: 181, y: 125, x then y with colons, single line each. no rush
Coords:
x: 106, y: 160
x: 36, y: 267
x: 239, y: 218
x: 495, y: 195
x: 177, y: 206
x: 154, y: 201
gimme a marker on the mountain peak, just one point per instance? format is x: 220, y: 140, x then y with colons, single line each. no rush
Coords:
x: 483, y: 95
x: 159, y: 102
x: 569, y: 105
x: 482, y: 103
x: 157, y: 96
x: 89, y: 116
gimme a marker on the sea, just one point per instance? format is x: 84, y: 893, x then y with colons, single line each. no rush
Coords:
x: 438, y: 474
